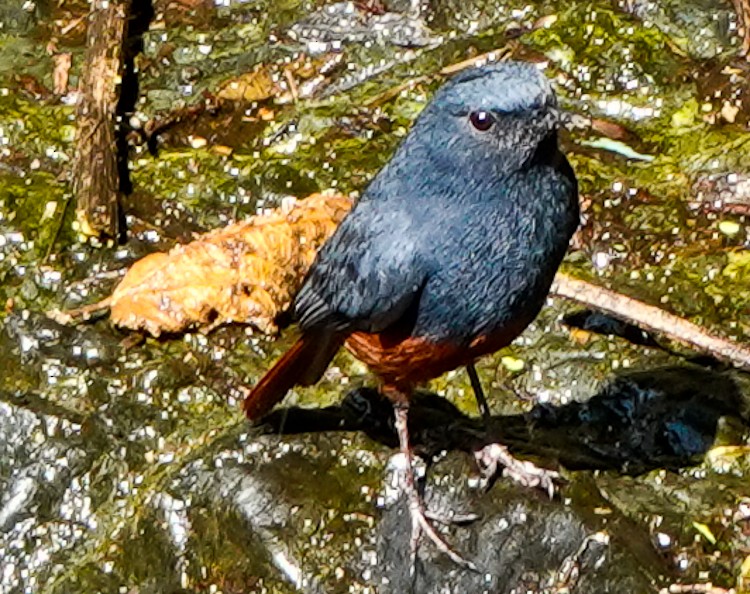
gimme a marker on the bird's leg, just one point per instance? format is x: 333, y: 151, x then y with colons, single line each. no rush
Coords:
x: 476, y: 385
x: 419, y: 521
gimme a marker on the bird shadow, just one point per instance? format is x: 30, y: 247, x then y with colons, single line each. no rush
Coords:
x: 638, y: 421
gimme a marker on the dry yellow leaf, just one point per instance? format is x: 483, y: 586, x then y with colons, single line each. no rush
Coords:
x: 248, y: 272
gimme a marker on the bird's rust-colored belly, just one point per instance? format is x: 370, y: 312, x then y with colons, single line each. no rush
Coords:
x: 404, y: 362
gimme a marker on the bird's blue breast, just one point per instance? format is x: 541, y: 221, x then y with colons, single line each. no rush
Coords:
x: 494, y: 263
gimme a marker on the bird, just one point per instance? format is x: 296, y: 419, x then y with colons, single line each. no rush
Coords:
x: 447, y: 256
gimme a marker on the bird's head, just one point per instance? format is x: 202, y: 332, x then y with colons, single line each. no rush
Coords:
x: 502, y: 116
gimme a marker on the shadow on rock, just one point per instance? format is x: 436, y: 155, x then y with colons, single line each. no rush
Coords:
x: 642, y: 420
x: 639, y: 421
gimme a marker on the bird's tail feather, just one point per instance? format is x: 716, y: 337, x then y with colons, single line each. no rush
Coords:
x: 303, y: 364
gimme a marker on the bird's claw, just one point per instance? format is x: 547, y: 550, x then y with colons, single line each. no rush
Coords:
x: 493, y: 456
x: 420, y: 524
x: 453, y: 518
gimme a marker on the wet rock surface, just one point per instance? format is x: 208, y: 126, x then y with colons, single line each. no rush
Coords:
x: 125, y: 463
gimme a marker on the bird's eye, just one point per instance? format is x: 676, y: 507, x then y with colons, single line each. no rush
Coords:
x: 481, y: 120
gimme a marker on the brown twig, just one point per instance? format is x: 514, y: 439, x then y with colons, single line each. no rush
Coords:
x: 293, y: 88
x: 95, y: 170
x: 79, y: 314
x: 60, y: 75
x: 742, y: 7
x: 693, y: 589
x: 58, y: 228
x: 498, y: 55
x: 161, y: 124
x: 653, y: 319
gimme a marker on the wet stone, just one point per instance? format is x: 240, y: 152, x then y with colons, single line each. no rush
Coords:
x: 704, y: 29
x: 723, y: 193
x: 350, y: 22
x: 36, y: 337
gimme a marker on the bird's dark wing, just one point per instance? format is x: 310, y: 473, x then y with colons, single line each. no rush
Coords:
x: 366, y: 277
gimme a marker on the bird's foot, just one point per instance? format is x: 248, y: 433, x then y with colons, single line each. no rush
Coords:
x: 493, y: 456
x: 454, y: 518
x: 420, y: 524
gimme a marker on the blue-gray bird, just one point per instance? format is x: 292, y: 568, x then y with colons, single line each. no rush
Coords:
x: 450, y: 252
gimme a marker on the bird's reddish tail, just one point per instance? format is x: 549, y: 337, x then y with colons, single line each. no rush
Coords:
x: 303, y: 364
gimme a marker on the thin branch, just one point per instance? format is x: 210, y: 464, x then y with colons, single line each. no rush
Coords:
x: 651, y: 318
x: 79, y: 314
